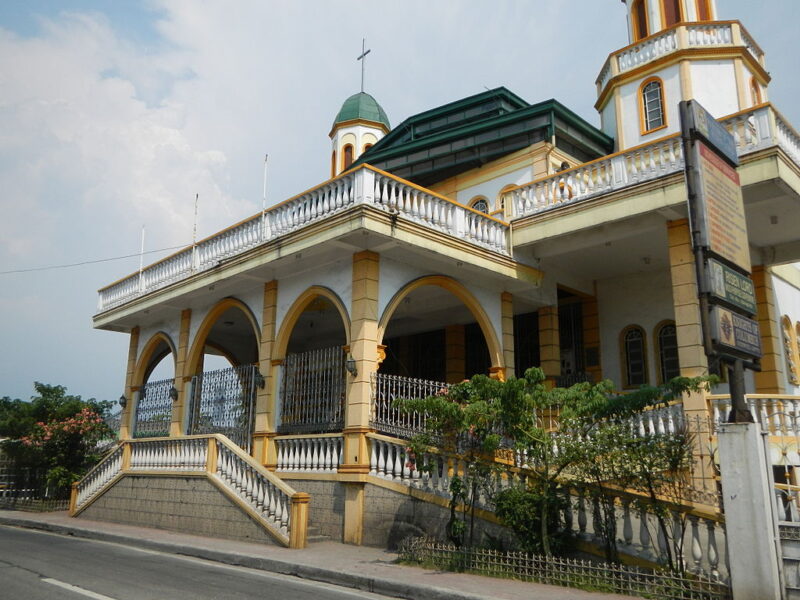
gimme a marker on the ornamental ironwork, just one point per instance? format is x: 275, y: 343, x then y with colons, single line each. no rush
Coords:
x: 223, y: 401
x: 313, y: 391
x: 153, y: 409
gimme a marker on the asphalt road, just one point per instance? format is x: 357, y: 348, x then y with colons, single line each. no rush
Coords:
x: 44, y: 566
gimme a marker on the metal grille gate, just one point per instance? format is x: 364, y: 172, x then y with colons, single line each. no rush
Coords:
x: 153, y: 409
x: 312, y: 396
x: 223, y: 402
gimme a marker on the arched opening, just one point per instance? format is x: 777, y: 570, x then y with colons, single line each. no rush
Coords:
x: 480, y: 203
x: 223, y: 362
x: 155, y: 378
x: 347, y: 156
x: 639, y: 20
x: 312, y: 341
x: 667, y: 351
x: 671, y: 12
x: 704, y: 10
x: 755, y: 91
x: 651, y: 106
x: 634, y: 356
x: 433, y: 333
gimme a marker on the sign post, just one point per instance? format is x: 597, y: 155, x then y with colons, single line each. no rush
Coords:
x: 721, y: 250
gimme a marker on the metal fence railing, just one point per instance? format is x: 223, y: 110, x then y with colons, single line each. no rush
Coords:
x: 153, y: 409
x: 619, y: 579
x: 389, y: 419
x: 27, y: 489
x: 313, y: 391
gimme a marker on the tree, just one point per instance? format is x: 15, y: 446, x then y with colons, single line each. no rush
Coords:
x: 56, y: 432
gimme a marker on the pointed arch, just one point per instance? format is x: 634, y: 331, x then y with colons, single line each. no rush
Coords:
x: 151, y: 355
x: 213, y: 315
x: 296, y: 309
x: 462, y: 293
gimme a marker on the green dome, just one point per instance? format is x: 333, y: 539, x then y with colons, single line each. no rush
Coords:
x: 361, y: 106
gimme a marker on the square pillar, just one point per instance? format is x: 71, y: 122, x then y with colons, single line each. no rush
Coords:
x: 590, y: 316
x: 455, y: 353
x: 264, y: 436
x: 178, y: 426
x: 691, y: 352
x: 507, y: 321
x: 549, y: 342
x: 770, y: 379
x: 364, y: 350
x: 125, y: 418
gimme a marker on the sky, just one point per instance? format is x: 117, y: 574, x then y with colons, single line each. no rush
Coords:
x: 113, y: 115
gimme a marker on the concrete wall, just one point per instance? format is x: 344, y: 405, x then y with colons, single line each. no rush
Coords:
x: 326, y: 511
x: 186, y: 504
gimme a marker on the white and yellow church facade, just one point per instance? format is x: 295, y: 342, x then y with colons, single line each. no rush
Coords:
x: 487, y: 235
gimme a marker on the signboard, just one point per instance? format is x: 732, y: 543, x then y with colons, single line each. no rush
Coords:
x: 723, y: 226
x: 731, y: 331
x: 702, y: 123
x: 730, y: 286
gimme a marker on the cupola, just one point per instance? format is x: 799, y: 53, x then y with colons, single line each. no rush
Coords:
x: 360, y: 123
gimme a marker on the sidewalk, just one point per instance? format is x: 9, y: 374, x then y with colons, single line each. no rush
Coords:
x: 358, y: 567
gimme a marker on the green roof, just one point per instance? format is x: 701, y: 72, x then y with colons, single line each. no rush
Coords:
x: 441, y: 142
x: 361, y: 106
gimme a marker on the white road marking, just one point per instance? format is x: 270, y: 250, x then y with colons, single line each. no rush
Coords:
x: 76, y: 589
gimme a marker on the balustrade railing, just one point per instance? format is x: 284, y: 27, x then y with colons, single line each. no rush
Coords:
x: 752, y: 131
x: 386, y: 417
x: 362, y: 186
x: 779, y: 415
x: 679, y: 37
x: 309, y: 454
x: 660, y: 421
x: 153, y: 409
x: 787, y: 502
x: 442, y: 214
x: 273, y: 503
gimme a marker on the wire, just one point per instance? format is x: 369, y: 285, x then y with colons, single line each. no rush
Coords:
x: 88, y: 262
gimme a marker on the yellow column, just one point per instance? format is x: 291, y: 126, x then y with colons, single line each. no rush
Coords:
x: 591, y: 338
x: 455, y: 353
x: 770, y: 380
x: 181, y: 377
x: 125, y: 420
x: 364, y: 350
x: 264, y: 437
x: 549, y: 342
x: 691, y: 353
x: 507, y: 320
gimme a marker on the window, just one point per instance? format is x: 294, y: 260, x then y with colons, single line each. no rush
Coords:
x: 671, y: 12
x: 348, y: 156
x: 333, y: 164
x: 639, y: 19
x: 652, y: 107
x: 667, y: 352
x: 703, y: 10
x: 367, y: 147
x: 480, y: 204
x: 634, y: 356
x: 790, y: 348
x: 755, y: 91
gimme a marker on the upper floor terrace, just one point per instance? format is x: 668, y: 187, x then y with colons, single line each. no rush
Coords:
x: 760, y: 133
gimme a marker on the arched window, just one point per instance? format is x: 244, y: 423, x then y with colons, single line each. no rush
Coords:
x: 790, y: 348
x: 667, y: 351
x: 703, y: 10
x: 480, y: 204
x: 755, y: 91
x: 652, y: 106
x: 367, y: 147
x: 347, y: 153
x: 634, y: 356
x: 639, y: 19
x: 333, y: 164
x: 671, y: 12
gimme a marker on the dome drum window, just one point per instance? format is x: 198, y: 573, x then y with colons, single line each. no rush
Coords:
x: 652, y: 106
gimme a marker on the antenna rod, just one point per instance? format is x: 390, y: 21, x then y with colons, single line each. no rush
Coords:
x: 194, y: 228
x: 264, y: 201
x: 141, y: 253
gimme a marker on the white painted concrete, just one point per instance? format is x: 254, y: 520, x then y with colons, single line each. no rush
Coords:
x: 670, y: 77
x: 714, y: 86
x: 749, y: 513
x: 787, y: 302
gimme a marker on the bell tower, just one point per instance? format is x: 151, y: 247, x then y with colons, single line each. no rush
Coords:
x: 360, y: 123
x: 678, y: 50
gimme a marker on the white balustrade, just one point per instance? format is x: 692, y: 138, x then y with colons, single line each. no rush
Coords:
x: 309, y: 454
x: 709, y: 34
x: 439, y: 213
x: 659, y: 421
x: 267, y: 496
x: 787, y: 138
x: 179, y: 454
x: 777, y: 414
x: 97, y: 478
x: 650, y: 49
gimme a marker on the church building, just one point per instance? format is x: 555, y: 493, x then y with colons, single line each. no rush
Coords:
x: 487, y: 235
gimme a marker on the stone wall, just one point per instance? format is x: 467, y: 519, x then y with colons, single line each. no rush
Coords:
x: 186, y: 504
x: 326, y: 511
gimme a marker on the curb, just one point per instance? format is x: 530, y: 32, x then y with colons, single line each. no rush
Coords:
x: 386, y: 587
